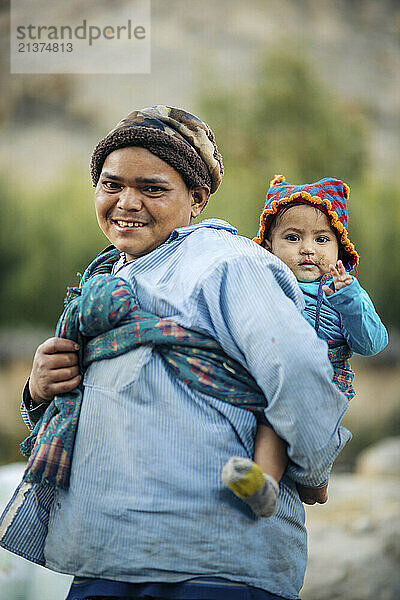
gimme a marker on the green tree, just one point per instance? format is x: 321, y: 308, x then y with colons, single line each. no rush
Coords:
x: 289, y: 121
x: 45, y: 240
x: 286, y: 122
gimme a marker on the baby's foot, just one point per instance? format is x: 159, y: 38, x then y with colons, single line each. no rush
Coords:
x: 245, y: 478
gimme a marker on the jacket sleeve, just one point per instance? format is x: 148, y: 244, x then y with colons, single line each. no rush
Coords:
x: 361, y: 325
x: 255, y: 307
x: 31, y: 414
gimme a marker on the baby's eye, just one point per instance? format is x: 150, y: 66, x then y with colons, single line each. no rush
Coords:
x: 321, y: 239
x: 292, y: 237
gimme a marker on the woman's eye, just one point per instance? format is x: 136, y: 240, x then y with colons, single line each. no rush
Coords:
x: 292, y: 237
x: 153, y: 189
x: 111, y: 185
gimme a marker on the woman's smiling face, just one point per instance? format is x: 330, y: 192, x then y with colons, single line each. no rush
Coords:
x: 303, y: 239
x: 140, y: 200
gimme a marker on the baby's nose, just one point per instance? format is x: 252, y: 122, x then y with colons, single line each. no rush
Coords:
x: 307, y: 248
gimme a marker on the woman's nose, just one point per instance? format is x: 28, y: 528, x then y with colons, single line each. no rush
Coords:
x: 129, y: 199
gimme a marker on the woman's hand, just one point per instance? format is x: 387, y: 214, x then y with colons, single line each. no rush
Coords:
x: 54, y: 370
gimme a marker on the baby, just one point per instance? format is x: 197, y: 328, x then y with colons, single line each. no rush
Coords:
x: 306, y: 227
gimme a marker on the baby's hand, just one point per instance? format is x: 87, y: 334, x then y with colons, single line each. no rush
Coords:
x: 340, y: 278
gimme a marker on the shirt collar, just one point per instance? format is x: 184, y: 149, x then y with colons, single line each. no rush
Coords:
x: 182, y: 232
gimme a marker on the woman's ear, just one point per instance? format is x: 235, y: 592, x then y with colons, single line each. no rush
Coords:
x: 199, y: 200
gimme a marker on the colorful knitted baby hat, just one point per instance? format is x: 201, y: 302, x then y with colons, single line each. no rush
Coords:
x: 329, y: 195
x: 174, y: 135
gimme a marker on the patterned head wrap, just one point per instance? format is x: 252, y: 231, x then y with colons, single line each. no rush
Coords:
x: 177, y: 137
x: 328, y: 195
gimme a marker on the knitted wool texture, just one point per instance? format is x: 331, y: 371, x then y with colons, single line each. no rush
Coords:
x: 328, y: 195
x: 174, y: 135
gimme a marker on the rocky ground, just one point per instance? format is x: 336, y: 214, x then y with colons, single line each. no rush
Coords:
x: 20, y: 579
x: 354, y: 540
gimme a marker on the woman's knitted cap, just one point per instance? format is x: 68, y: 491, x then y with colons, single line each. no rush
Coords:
x: 328, y: 195
x: 174, y: 135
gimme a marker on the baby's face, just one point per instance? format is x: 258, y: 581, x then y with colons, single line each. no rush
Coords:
x: 304, y: 240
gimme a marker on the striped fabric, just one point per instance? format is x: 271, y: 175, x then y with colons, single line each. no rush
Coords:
x: 104, y: 317
x: 26, y: 408
x: 146, y: 475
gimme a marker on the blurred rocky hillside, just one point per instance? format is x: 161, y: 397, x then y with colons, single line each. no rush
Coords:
x: 50, y: 119
x: 354, y: 539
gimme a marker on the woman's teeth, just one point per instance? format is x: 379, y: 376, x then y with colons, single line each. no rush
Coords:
x: 129, y: 224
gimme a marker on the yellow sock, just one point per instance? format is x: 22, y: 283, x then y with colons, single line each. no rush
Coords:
x: 247, y: 481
